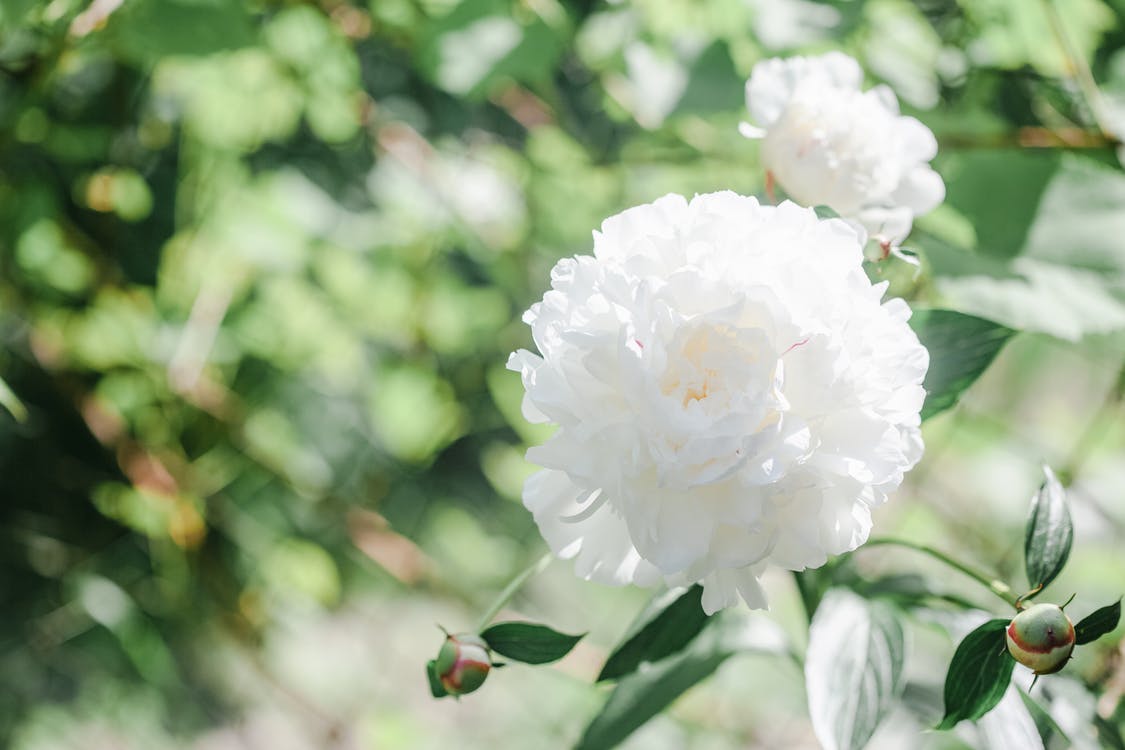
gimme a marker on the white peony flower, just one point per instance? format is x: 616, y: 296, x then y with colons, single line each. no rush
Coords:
x: 730, y: 392
x: 827, y: 142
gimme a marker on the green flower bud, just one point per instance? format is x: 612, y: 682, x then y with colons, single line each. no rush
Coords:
x: 463, y: 663
x: 1041, y: 637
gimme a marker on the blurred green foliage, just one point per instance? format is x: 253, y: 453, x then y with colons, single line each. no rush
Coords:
x: 262, y: 263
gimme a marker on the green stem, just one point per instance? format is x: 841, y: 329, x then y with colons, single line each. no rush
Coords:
x: 993, y: 584
x: 807, y: 589
x: 511, y: 589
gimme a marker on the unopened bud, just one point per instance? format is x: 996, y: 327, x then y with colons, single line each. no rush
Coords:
x: 1041, y: 637
x: 463, y: 663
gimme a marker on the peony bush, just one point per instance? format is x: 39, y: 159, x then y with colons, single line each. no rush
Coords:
x: 730, y: 392
x: 262, y: 456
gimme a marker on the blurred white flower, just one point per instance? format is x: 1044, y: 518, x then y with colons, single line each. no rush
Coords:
x: 483, y: 196
x: 827, y: 142
x: 654, y: 84
x: 785, y: 24
x: 422, y: 189
x: 730, y: 391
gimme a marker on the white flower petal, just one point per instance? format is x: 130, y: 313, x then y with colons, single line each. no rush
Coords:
x: 917, y: 142
x: 731, y: 394
x: 839, y: 68
x: 889, y: 224
x: 921, y: 190
x: 749, y: 131
x: 598, y: 544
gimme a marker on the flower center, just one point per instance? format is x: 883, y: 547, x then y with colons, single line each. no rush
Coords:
x: 711, y: 364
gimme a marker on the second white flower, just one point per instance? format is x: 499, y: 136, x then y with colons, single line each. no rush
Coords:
x: 827, y: 142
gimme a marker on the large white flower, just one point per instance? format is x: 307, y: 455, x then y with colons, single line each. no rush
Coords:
x: 730, y: 391
x: 827, y: 142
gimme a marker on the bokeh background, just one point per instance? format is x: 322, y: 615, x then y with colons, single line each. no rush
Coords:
x: 262, y: 263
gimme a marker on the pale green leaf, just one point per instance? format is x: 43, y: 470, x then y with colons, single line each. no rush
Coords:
x: 853, y: 668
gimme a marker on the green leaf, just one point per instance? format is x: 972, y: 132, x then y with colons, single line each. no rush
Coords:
x: 1042, y: 251
x: 662, y: 629
x: 641, y: 695
x: 853, y: 668
x: 529, y: 642
x: 961, y: 347
x: 978, y: 675
x: 436, y: 688
x: 1096, y: 624
x: 999, y: 192
x: 713, y: 84
x: 1079, y: 220
x: 150, y: 30
x: 10, y: 401
x: 1049, y: 533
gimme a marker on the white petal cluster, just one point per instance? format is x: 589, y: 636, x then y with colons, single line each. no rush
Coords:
x: 827, y: 142
x: 730, y: 390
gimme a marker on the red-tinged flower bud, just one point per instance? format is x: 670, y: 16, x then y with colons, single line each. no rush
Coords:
x: 1041, y: 637
x: 463, y: 663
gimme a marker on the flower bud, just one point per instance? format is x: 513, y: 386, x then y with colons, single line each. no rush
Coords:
x: 463, y: 663
x: 1041, y: 637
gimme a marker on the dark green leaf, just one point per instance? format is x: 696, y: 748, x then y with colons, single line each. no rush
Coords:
x: 853, y: 668
x: 662, y: 630
x: 961, y: 347
x: 978, y: 675
x: 641, y: 695
x: 529, y: 642
x: 1049, y: 533
x: 436, y: 688
x: 1096, y: 624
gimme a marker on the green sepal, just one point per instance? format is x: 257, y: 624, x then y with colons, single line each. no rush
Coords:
x: 436, y: 688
